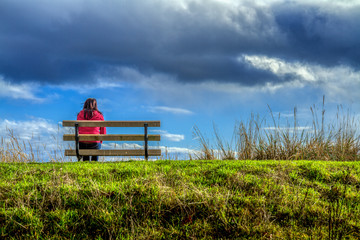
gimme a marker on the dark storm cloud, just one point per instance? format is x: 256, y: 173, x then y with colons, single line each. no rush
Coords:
x: 57, y: 41
x: 316, y: 34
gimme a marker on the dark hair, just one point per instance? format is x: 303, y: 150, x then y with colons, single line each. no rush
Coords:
x: 90, y: 106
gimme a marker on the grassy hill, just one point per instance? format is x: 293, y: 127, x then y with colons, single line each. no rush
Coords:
x: 180, y: 200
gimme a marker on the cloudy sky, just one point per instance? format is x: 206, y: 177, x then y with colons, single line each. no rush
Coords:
x: 183, y: 62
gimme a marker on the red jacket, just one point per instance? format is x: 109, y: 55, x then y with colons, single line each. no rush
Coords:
x: 91, y: 130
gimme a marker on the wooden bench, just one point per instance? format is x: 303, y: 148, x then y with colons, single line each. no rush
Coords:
x: 111, y: 137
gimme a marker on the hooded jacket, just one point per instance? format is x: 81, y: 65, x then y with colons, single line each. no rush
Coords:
x: 97, y: 116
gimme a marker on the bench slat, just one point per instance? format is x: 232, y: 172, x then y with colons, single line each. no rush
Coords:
x: 122, y: 152
x: 84, y: 123
x: 111, y: 137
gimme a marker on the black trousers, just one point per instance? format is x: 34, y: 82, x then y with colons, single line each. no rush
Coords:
x: 94, y: 145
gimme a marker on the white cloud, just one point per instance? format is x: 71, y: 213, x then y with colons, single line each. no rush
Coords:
x: 29, y: 130
x: 169, y: 136
x: 177, y: 150
x: 157, y: 109
x: 100, y: 83
x: 281, y: 68
x: 337, y: 82
x: 18, y: 91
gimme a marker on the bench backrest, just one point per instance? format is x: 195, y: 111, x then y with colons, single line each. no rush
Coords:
x: 112, y: 137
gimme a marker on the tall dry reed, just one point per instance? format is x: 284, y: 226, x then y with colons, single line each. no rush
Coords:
x: 255, y: 139
x: 15, y: 149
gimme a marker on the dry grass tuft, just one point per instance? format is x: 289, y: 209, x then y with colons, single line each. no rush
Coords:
x: 15, y: 149
x: 256, y: 140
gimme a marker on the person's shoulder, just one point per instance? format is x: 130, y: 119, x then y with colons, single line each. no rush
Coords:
x: 80, y: 115
x: 98, y: 115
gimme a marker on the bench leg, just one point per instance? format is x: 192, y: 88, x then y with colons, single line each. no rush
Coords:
x: 77, y: 141
x: 146, y: 141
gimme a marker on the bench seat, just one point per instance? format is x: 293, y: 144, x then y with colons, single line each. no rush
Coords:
x: 117, y: 152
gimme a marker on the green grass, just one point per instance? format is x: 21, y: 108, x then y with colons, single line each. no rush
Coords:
x: 180, y: 200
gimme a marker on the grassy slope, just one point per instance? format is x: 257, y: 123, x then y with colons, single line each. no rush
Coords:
x: 181, y: 199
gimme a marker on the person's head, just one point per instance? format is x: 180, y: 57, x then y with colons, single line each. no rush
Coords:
x: 90, y: 105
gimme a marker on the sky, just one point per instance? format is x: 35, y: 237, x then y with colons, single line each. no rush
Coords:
x: 183, y: 62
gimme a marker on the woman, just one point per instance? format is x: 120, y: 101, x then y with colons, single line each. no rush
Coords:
x: 90, y: 112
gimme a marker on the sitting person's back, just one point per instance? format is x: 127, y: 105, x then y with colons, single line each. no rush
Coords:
x: 90, y: 112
